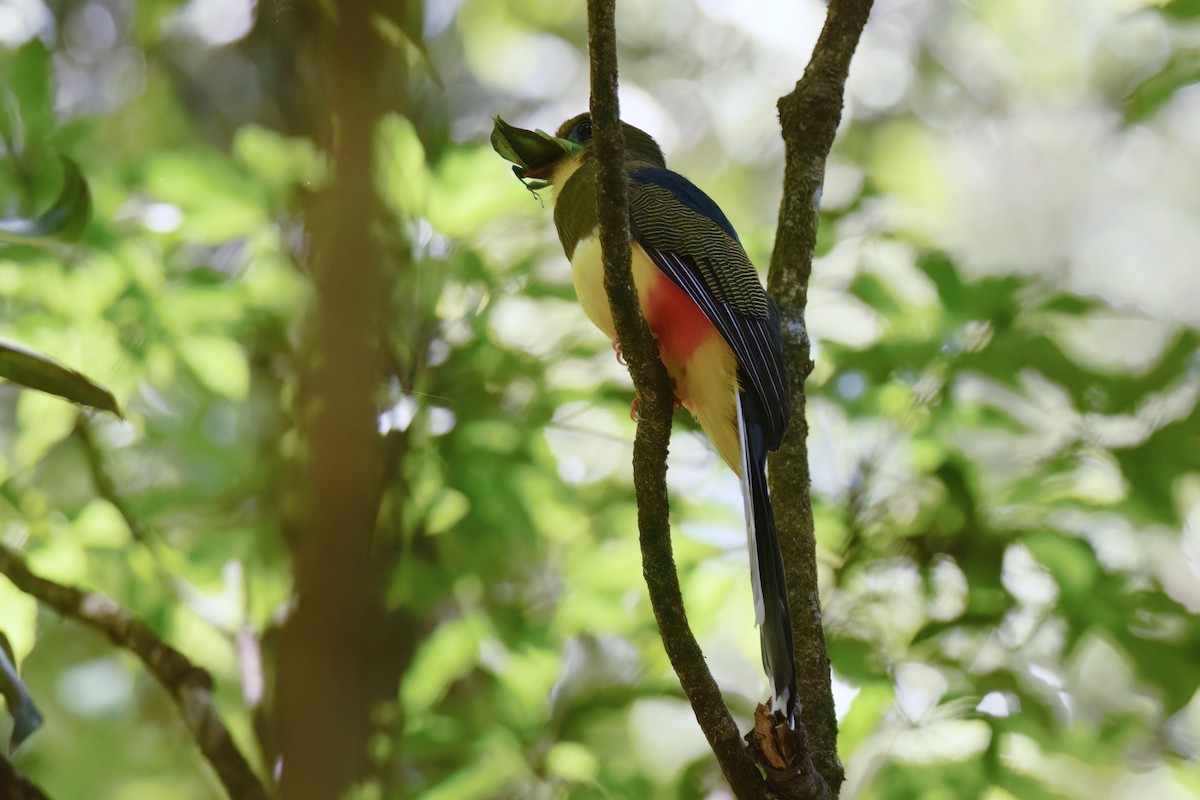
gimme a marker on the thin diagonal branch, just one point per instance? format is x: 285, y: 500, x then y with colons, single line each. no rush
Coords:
x: 809, y: 116
x: 656, y: 403
x: 189, y: 685
x: 102, y: 480
x: 106, y: 488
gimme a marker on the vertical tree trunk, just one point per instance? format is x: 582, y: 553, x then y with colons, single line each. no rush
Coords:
x: 321, y: 704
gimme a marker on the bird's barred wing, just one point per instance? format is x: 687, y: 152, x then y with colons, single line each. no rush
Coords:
x: 691, y: 241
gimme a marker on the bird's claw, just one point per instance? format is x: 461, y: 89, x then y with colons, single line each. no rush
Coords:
x: 633, y: 408
x: 616, y: 346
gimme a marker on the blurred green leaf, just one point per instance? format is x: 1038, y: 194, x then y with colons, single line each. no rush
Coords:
x: 1181, y: 9
x: 964, y: 299
x: 497, y: 764
x: 403, y: 26
x: 1156, y: 92
x: 282, y: 162
x: 1072, y: 562
x: 37, y: 372
x: 27, y: 120
x: 218, y: 363
x: 1152, y: 466
x: 1023, y: 787
x: 866, y: 710
x: 405, y: 180
x: 26, y: 717
x: 572, y: 761
x: 445, y: 657
x: 65, y: 221
x: 219, y: 202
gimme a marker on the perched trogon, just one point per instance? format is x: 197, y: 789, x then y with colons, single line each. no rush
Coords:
x: 717, y: 329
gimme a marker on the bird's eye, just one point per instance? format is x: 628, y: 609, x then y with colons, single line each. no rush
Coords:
x: 583, y: 131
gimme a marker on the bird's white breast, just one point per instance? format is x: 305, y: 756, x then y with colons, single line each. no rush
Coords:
x: 706, y: 381
x: 587, y: 273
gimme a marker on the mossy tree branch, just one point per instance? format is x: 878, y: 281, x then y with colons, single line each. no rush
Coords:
x: 809, y: 116
x: 656, y: 403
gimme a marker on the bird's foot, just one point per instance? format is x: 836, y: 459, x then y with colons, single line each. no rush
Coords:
x: 616, y: 345
x: 633, y: 408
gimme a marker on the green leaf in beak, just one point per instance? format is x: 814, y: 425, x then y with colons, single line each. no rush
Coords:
x: 533, y: 152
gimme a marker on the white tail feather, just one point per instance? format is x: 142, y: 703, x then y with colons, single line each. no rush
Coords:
x: 760, y: 609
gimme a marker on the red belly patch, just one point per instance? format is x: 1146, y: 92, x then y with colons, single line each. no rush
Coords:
x: 676, y: 320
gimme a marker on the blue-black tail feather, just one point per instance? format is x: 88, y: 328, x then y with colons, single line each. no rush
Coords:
x: 776, y: 631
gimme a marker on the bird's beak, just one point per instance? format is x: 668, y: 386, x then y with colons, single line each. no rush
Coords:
x: 533, y: 153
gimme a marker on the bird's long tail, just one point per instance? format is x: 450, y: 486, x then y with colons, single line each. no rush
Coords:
x: 766, y: 563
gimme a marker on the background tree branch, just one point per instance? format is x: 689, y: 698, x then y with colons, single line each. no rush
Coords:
x: 189, y: 685
x: 809, y: 116
x: 15, y: 786
x: 146, y: 536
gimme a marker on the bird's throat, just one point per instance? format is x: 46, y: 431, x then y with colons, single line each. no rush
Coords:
x: 563, y: 171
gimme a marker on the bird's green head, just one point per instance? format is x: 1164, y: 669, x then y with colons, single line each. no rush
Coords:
x: 537, y: 155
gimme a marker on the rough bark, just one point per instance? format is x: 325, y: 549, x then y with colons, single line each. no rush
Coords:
x: 655, y: 407
x: 801, y: 763
x: 809, y: 116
